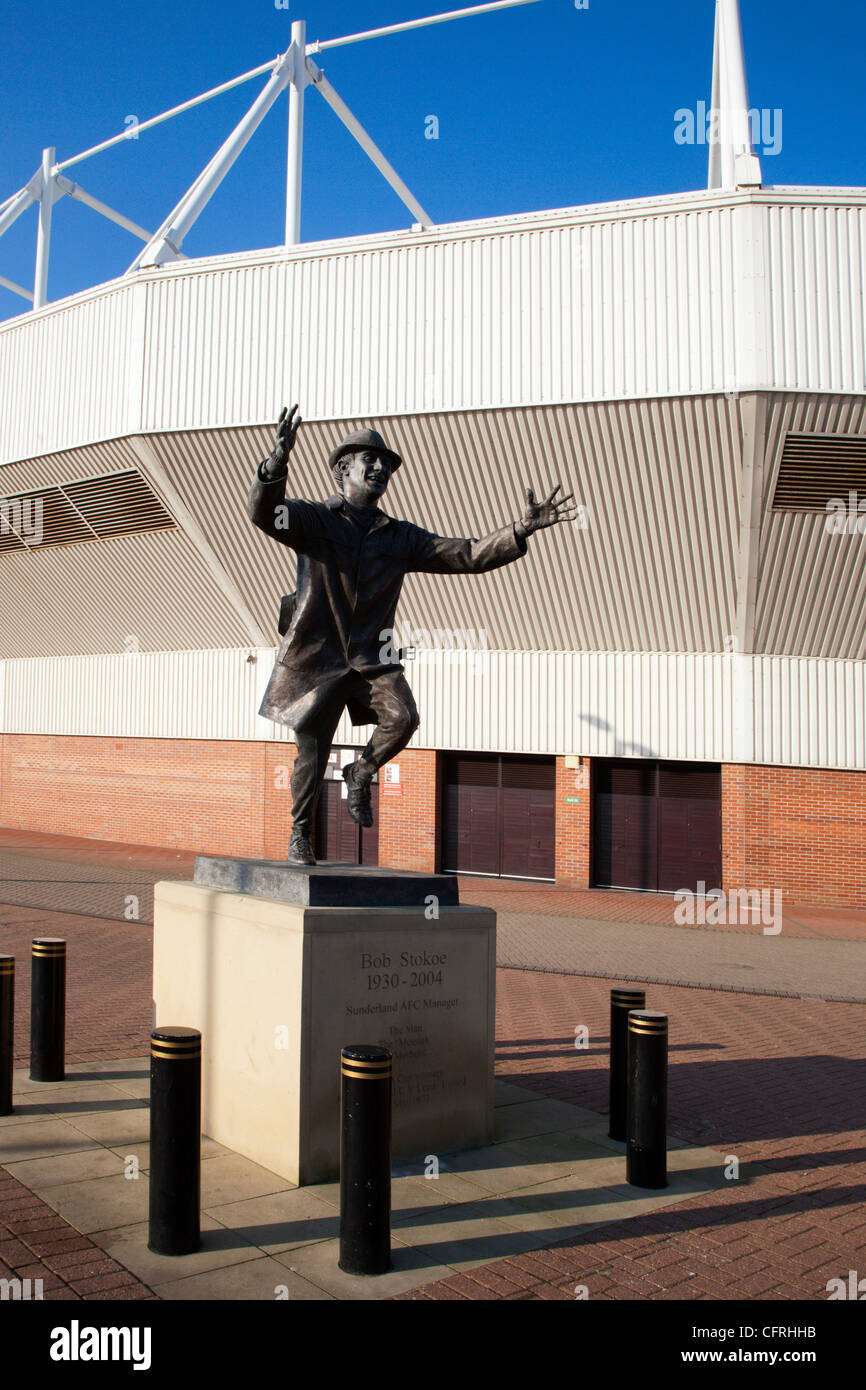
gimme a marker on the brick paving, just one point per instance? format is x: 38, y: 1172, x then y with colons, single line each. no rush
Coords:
x: 609, y: 905
x: 108, y: 981
x: 775, y: 1083
x: 35, y: 1243
x: 60, y: 873
x: 721, y: 959
x: 779, y: 1083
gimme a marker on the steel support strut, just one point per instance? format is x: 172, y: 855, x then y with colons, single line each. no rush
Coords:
x: 47, y: 198
x: 295, y: 158
x: 165, y: 244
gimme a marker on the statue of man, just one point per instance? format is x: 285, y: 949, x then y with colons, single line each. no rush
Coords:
x: 337, y: 651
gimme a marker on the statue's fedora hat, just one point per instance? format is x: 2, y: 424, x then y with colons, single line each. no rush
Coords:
x: 359, y: 441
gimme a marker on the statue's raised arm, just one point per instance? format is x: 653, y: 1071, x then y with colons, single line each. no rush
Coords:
x: 287, y: 433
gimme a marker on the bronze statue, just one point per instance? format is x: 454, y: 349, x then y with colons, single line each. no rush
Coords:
x: 336, y: 651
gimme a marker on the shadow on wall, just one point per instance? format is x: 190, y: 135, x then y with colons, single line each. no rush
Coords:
x: 621, y: 749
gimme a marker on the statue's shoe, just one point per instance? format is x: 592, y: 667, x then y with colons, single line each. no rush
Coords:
x: 300, y: 851
x: 359, y: 806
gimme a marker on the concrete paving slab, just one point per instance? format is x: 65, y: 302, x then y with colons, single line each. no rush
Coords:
x: 412, y: 1189
x: 116, y: 1128
x: 22, y: 1112
x: 129, y: 1068
x: 280, y: 1221
x: 209, y: 1149
x: 41, y: 1138
x: 220, y: 1247
x: 22, y: 1083
x: 259, y: 1280
x: 231, y: 1178
x: 668, y: 954
x: 100, y: 1203
x: 70, y: 1099
x: 39, y: 1174
x: 506, y: 1093
x: 319, y: 1265
x: 138, y: 1087
x: 536, y: 1117
x: 569, y: 1151
x: 503, y: 1168
x: 473, y: 1234
x: 558, y: 1205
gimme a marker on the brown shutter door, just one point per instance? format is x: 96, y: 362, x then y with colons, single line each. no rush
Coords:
x: 626, y: 826
x: 690, y: 826
x: 528, y: 819
x: 657, y: 826
x: 499, y: 815
x: 471, y: 815
x: 338, y: 839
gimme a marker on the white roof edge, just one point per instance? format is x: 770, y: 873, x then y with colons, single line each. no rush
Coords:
x: 694, y: 200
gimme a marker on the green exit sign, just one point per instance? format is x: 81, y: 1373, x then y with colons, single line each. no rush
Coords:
x: 572, y: 801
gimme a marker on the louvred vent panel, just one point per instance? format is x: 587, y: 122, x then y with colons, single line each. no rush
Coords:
x: 818, y: 467
x: 119, y: 504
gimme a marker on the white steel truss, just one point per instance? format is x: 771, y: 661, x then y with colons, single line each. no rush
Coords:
x: 732, y: 162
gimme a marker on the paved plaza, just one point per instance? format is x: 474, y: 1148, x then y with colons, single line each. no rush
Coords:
x: 767, y: 1099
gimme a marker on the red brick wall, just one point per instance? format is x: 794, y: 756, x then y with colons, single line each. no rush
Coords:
x: 573, y: 860
x: 185, y: 794
x: 277, y: 797
x: 802, y: 830
x: 213, y: 797
x: 408, y: 823
x: 733, y: 825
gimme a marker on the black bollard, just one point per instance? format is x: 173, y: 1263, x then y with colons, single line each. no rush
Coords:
x: 7, y: 1030
x: 621, y: 1000
x: 175, y: 1141
x: 48, y: 1009
x: 365, y: 1160
x: 646, y: 1151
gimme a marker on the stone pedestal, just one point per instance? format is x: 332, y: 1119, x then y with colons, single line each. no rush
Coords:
x: 278, y: 986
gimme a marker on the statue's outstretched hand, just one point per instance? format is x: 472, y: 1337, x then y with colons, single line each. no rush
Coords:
x: 546, y: 513
x: 287, y: 430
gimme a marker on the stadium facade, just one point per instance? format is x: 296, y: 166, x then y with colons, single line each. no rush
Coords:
x: 670, y: 692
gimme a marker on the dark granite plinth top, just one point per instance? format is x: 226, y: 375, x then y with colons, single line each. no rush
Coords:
x: 325, y: 885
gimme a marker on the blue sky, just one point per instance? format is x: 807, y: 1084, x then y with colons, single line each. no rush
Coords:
x: 545, y: 105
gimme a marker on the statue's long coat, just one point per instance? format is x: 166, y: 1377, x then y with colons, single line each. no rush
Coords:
x: 349, y: 580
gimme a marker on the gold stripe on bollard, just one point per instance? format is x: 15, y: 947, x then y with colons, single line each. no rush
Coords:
x: 367, y: 1066
x: 175, y: 1056
x: 366, y: 1075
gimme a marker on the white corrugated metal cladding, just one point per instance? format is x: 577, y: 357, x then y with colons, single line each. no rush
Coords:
x: 602, y: 704
x: 653, y: 354
x: 695, y: 294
